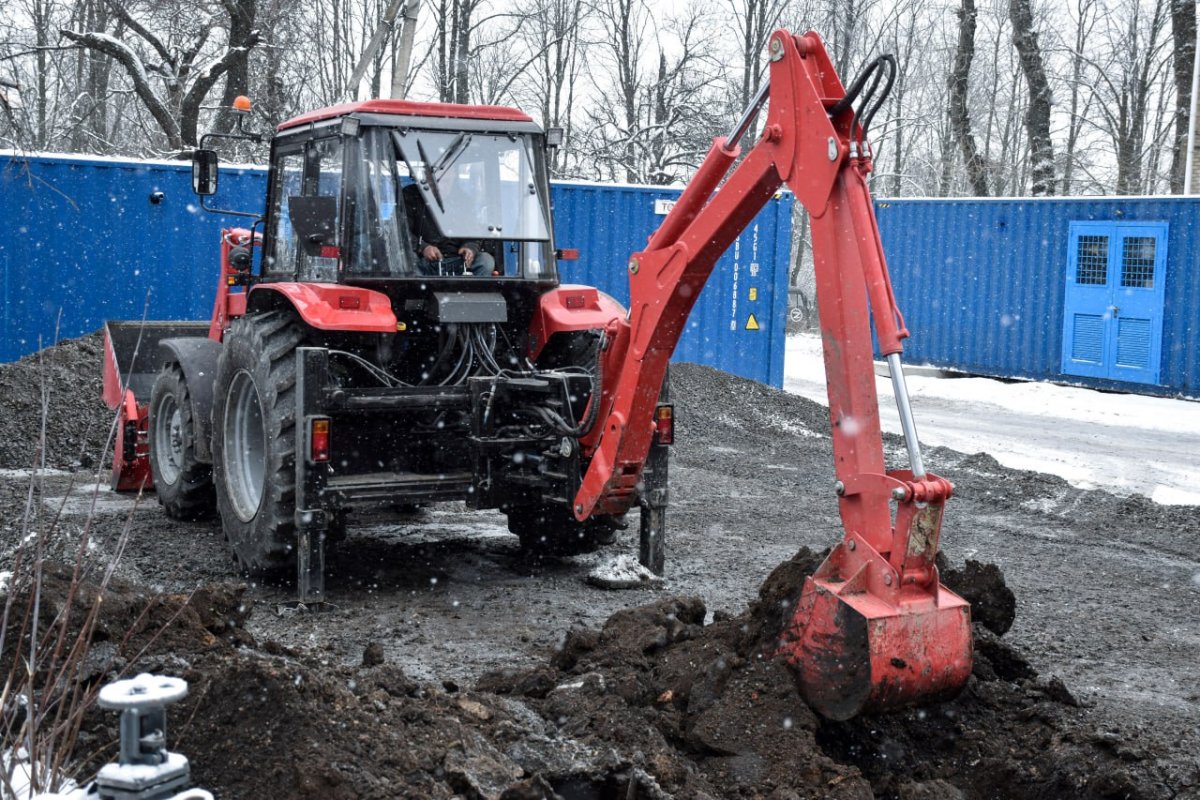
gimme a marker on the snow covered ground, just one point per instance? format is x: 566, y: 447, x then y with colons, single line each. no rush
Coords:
x: 1124, y: 443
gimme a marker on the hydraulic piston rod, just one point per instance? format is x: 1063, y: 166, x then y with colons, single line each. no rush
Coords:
x: 907, y: 423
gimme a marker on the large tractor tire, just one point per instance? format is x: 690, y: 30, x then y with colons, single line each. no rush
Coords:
x: 552, y: 530
x: 254, y: 439
x: 183, y: 484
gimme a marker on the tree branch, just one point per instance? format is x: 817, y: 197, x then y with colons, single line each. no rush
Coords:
x: 206, y: 78
x: 141, y: 30
x: 120, y: 52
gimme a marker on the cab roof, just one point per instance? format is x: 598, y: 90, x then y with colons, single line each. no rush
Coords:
x: 409, y: 108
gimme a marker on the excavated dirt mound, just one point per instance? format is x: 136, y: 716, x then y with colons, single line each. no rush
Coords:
x: 712, y: 715
x: 654, y: 704
x: 77, y: 421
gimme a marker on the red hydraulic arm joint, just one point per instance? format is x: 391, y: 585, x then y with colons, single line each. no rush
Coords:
x: 874, y: 628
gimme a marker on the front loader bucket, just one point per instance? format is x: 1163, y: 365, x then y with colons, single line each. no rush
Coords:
x: 131, y: 357
x: 856, y: 645
x: 132, y: 362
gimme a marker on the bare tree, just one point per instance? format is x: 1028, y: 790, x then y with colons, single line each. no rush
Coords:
x: 754, y: 21
x: 1125, y: 85
x: 1078, y: 90
x: 657, y: 108
x: 1037, y: 116
x: 243, y: 36
x: 553, y: 32
x: 624, y: 24
x: 960, y: 118
x: 167, y: 71
x: 1183, y: 33
x: 456, y: 23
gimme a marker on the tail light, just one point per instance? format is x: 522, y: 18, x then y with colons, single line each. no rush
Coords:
x: 664, y: 425
x: 318, y: 440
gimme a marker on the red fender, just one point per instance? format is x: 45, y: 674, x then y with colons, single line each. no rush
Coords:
x: 332, y: 307
x: 571, y: 308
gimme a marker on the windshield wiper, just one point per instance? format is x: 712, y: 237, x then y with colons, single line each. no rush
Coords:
x: 456, y: 149
x: 428, y: 177
x: 400, y: 149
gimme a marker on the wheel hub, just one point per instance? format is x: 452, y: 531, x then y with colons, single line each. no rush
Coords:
x: 245, y: 452
x: 168, y: 440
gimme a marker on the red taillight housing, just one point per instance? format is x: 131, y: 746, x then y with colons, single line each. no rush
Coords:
x: 318, y: 440
x: 664, y: 425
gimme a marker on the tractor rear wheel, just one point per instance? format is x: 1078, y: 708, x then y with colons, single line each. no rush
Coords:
x: 183, y: 484
x: 552, y: 530
x: 254, y: 439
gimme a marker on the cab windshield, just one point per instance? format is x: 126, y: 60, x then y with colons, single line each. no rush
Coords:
x: 476, y: 185
x: 420, y: 199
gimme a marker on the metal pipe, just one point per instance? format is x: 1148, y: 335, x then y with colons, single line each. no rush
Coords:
x: 404, y: 57
x: 907, y: 423
x: 381, y: 31
x: 743, y: 124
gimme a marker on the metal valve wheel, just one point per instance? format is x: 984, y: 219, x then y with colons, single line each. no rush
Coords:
x: 142, y: 692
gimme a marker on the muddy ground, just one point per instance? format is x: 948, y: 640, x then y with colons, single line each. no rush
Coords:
x: 487, y: 675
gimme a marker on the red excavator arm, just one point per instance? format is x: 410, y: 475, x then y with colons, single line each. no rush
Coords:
x: 874, y: 627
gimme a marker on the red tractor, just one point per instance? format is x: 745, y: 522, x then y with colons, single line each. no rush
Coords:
x: 350, y: 367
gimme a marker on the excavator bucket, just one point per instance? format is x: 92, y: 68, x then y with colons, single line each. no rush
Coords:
x: 858, y: 642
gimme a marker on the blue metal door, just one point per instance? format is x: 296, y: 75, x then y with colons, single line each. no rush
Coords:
x: 1113, y: 306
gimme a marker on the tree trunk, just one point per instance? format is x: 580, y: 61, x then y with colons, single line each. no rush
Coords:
x: 1075, y: 118
x: 242, y: 19
x: 960, y: 118
x: 1037, y: 116
x: 462, y: 51
x: 41, y: 22
x: 1183, y: 31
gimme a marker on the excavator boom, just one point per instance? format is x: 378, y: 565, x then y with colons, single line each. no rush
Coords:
x: 874, y: 627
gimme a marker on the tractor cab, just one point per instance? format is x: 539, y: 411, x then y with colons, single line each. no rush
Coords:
x: 359, y: 191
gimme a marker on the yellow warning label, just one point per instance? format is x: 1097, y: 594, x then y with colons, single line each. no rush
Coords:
x: 753, y: 292
x: 752, y: 323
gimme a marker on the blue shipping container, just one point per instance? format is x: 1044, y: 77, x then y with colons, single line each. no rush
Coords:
x: 84, y: 242
x: 1101, y: 292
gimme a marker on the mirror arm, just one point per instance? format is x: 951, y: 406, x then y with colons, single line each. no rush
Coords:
x: 257, y: 138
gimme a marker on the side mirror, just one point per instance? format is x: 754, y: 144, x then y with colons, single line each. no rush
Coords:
x: 554, y: 137
x: 314, y: 219
x: 204, y: 172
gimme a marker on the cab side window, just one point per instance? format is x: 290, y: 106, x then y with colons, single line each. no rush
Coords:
x: 310, y: 170
x: 289, y: 182
x: 324, y: 172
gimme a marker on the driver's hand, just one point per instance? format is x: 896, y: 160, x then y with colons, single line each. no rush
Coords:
x: 431, y: 253
x: 468, y: 255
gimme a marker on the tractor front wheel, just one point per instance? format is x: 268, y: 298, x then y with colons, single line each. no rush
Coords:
x: 254, y: 439
x: 183, y: 484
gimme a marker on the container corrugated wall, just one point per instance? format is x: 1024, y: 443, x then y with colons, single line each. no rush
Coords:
x: 609, y: 223
x: 981, y: 283
x: 82, y: 238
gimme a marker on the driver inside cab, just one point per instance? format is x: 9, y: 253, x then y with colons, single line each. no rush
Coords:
x: 436, y: 254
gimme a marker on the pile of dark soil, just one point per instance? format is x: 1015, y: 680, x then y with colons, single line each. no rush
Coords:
x: 655, y: 704
x: 710, y: 715
x: 77, y: 421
